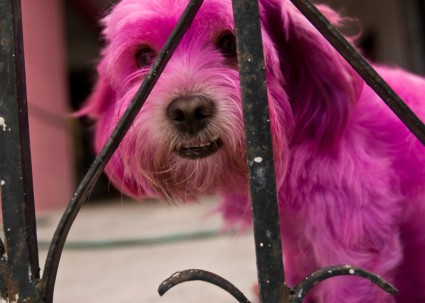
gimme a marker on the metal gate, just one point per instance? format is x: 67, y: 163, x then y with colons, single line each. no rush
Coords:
x: 20, y: 279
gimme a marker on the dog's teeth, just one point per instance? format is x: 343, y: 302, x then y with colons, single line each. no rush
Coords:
x: 201, y: 150
x: 213, y: 140
x: 197, y: 146
x: 203, y: 145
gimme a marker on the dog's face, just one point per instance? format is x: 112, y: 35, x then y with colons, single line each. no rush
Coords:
x: 188, y: 138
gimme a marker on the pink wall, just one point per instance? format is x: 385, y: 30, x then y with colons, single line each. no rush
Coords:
x: 50, y: 125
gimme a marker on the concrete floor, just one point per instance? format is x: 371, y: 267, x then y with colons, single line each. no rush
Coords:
x: 126, y: 274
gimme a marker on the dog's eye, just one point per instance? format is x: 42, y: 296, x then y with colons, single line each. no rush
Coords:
x: 145, y: 56
x: 226, y: 43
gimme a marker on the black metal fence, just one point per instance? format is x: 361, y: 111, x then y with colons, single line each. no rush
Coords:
x: 20, y: 279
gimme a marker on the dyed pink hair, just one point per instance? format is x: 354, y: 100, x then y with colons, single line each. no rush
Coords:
x: 350, y: 176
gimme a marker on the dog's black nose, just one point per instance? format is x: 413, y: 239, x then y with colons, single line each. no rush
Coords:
x: 190, y: 114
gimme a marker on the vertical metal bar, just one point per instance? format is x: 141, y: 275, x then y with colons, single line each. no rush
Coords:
x: 259, y: 152
x: 15, y: 160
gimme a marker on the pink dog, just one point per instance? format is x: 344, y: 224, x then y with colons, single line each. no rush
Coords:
x: 350, y: 176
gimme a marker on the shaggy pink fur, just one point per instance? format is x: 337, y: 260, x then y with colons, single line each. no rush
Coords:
x: 350, y: 176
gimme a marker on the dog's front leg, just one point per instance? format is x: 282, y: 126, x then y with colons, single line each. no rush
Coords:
x: 341, y: 234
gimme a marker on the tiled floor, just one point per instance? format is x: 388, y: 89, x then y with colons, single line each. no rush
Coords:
x: 126, y: 274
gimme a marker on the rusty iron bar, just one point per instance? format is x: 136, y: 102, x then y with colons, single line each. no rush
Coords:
x: 259, y: 152
x: 89, y: 180
x: 365, y: 70
x: 201, y: 275
x: 21, y: 259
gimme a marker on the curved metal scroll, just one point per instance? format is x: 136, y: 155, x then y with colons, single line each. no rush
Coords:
x: 296, y: 294
x: 201, y: 275
x: 299, y: 292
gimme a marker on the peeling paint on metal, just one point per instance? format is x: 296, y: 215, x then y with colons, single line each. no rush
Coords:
x: 3, y: 123
x: 268, y: 234
x: 258, y: 159
x: 10, y: 300
x: 300, y: 294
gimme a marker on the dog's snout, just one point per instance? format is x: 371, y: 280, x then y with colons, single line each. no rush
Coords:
x: 190, y: 114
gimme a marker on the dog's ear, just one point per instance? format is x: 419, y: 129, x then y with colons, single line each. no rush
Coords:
x: 321, y: 86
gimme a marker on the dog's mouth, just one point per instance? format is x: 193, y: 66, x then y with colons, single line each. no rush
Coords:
x: 201, y: 150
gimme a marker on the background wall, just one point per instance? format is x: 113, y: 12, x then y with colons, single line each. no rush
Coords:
x: 48, y: 99
x: 392, y: 30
